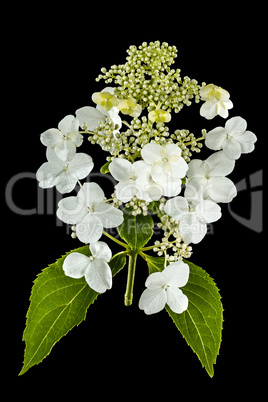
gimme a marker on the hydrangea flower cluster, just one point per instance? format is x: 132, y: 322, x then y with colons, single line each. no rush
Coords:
x: 153, y: 168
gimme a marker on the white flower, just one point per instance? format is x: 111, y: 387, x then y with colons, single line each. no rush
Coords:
x: 95, y: 269
x: 163, y: 288
x: 89, y: 213
x: 63, y: 174
x: 167, y: 168
x: 127, y: 174
x: 216, y: 101
x: 233, y: 139
x: 91, y: 117
x: 65, y: 139
x: 193, y: 219
x: 206, y: 179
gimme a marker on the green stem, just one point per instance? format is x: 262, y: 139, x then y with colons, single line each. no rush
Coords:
x: 115, y: 240
x: 130, y: 277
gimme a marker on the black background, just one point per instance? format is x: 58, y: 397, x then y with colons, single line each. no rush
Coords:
x: 51, y: 59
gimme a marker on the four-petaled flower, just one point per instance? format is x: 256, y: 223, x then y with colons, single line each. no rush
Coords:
x: 163, y: 288
x: 63, y: 174
x: 167, y: 168
x: 95, y: 269
x: 206, y: 179
x: 128, y: 174
x: 217, y: 102
x: 89, y: 213
x: 65, y: 139
x: 192, y: 219
x: 233, y: 139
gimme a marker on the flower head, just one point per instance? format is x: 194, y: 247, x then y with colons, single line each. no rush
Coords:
x: 163, y: 288
x: 216, y: 101
x: 105, y: 99
x: 65, y: 139
x: 95, y: 269
x: 129, y: 106
x: 89, y: 213
x: 63, y: 174
x: 159, y: 116
x: 233, y: 139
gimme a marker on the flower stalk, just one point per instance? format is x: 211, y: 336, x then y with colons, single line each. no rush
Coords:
x: 130, y: 277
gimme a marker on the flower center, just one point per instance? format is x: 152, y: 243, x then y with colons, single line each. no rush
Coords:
x: 91, y: 209
x: 165, y: 160
x: 165, y: 286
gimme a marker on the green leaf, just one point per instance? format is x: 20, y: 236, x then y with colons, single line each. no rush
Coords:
x: 58, y: 303
x: 201, y: 323
x: 155, y: 264
x: 118, y: 262
x: 136, y: 230
x: 105, y: 168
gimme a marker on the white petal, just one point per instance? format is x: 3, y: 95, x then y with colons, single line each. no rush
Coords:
x: 81, y: 165
x: 232, y: 148
x: 151, y: 153
x: 125, y: 190
x: 172, y: 150
x: 120, y: 169
x: 176, y: 300
x: 208, y: 110
x: 155, y: 281
x: 68, y: 124
x: 99, y: 276
x: 91, y: 193
x: 219, y: 164
x: 161, y: 172
x: 247, y: 140
x: 66, y: 182
x: 176, y: 274
x: 155, y: 191
x: 171, y: 187
x: 215, y: 138
x: 76, y: 138
x: 89, y: 230
x: 195, y: 190
x: 222, y: 109
x: 236, y: 125
x: 221, y: 189
x: 90, y: 116
x: 48, y: 174
x: 176, y: 207
x: 197, y: 168
x: 153, y: 301
x: 110, y: 216
x: 101, y: 250
x: 179, y: 168
x: 52, y: 157
x: 191, y: 229
x: 71, y: 210
x: 51, y: 137
x: 208, y: 211
x: 75, y: 265
x: 65, y: 150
